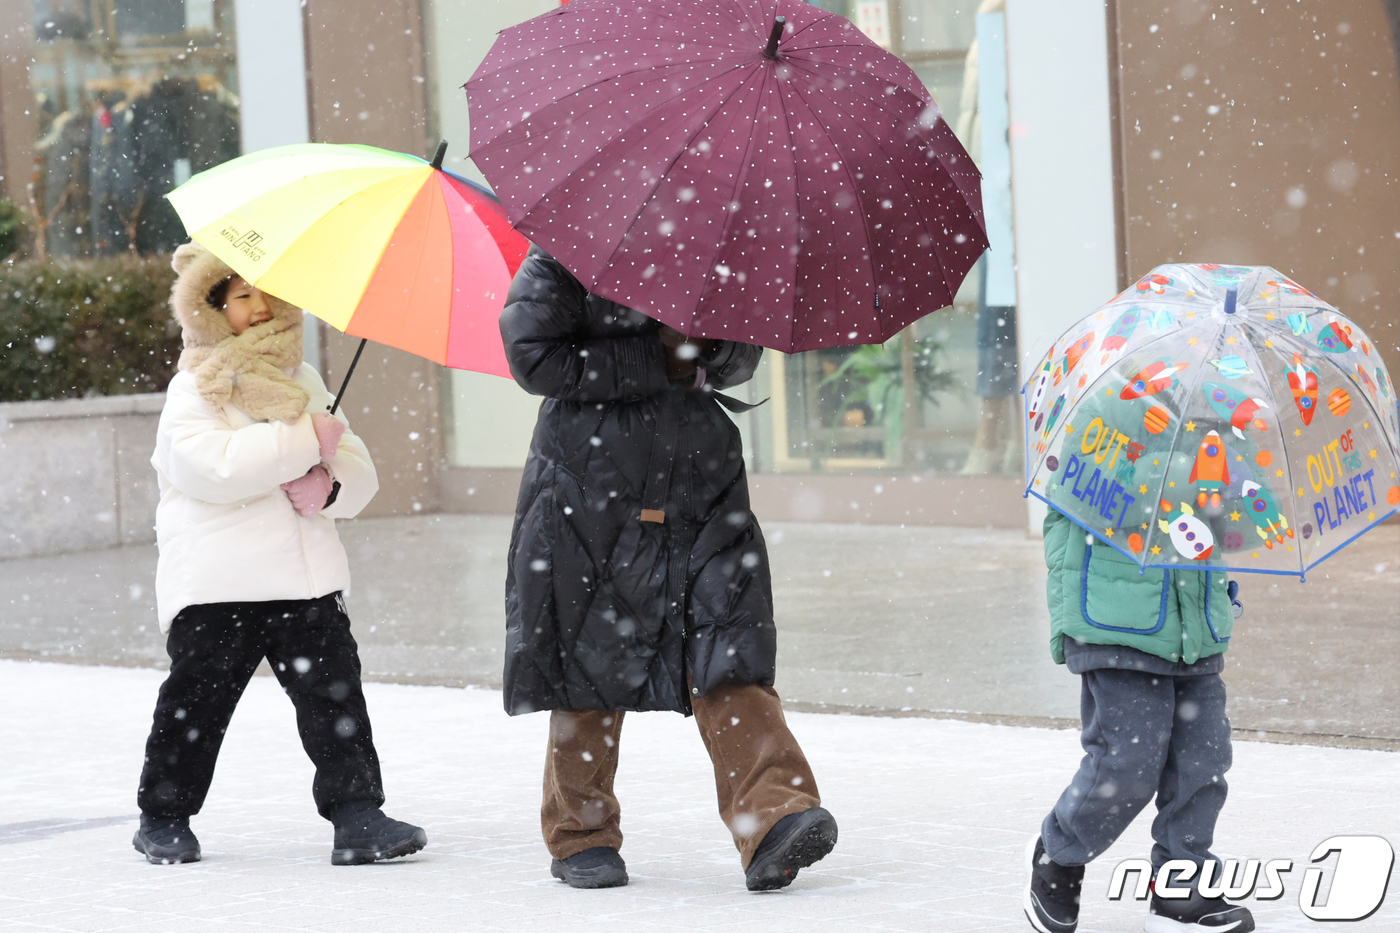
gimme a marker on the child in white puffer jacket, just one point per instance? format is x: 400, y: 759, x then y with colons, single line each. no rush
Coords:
x: 253, y: 473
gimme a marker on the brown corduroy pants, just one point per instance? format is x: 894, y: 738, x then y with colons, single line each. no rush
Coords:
x: 761, y: 774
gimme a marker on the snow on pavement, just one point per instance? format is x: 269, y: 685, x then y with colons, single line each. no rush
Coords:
x: 934, y: 816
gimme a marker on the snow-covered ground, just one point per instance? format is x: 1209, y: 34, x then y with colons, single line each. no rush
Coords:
x: 934, y: 815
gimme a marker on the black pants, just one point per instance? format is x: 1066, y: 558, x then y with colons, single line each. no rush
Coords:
x: 214, y: 649
x: 1145, y: 736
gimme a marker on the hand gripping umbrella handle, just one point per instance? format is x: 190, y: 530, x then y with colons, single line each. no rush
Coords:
x: 772, y: 50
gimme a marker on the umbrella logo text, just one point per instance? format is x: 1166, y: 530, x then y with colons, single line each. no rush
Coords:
x: 245, y: 241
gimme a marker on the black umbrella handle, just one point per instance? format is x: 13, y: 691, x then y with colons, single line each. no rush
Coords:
x: 350, y: 372
x: 772, y: 50
x: 441, y: 151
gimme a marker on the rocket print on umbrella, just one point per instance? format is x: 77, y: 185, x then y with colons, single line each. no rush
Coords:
x: 1119, y: 333
x: 1072, y: 357
x: 1365, y: 380
x: 1049, y: 420
x: 1157, y: 377
x: 1157, y: 284
x: 1303, y: 381
x: 1211, y: 472
x: 1235, y: 407
x: 1335, y: 337
x: 1263, y: 511
x: 1189, y: 535
x: 1039, y: 396
x: 1290, y: 286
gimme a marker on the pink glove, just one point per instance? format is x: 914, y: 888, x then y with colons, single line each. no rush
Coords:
x: 310, y: 492
x: 328, y: 431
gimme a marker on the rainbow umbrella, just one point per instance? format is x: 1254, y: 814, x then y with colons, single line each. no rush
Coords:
x: 381, y: 245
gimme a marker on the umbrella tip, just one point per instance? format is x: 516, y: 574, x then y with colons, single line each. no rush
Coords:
x: 1230, y: 297
x: 772, y: 50
x: 441, y: 151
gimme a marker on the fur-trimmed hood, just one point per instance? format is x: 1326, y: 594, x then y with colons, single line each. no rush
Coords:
x: 248, y: 370
x: 198, y: 271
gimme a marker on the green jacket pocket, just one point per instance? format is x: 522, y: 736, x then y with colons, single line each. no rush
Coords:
x: 1115, y: 595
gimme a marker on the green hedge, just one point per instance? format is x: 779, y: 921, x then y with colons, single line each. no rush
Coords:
x: 13, y: 228
x: 86, y: 327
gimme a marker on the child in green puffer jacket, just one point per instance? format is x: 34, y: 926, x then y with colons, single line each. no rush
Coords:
x: 1149, y: 647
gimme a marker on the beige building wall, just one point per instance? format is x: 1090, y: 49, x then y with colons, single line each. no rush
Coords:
x: 16, y: 99
x: 1265, y: 134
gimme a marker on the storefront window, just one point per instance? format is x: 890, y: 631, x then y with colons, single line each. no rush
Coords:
x: 131, y: 97
x: 939, y: 396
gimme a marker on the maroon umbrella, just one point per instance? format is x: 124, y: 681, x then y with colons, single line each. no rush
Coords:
x: 756, y: 170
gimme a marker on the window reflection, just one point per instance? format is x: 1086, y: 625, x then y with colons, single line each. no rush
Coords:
x: 131, y: 98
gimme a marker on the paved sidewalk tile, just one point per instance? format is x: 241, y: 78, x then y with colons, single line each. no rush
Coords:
x: 934, y: 815
x: 870, y: 618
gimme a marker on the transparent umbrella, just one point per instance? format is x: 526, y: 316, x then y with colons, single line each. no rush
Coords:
x: 1216, y: 417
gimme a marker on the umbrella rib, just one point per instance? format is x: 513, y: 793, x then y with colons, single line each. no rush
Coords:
x: 787, y: 125
x: 942, y: 269
x: 660, y: 38
x: 1361, y: 393
x: 745, y: 165
x: 1140, y: 348
x: 1282, y: 439
x: 800, y: 55
x: 377, y: 259
x: 822, y: 16
x: 436, y: 199
x: 669, y: 165
x: 518, y: 62
x: 1180, y: 424
x: 860, y: 209
x: 556, y: 101
x: 1064, y: 338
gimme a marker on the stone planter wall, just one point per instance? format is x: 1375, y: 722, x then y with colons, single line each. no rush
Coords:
x: 75, y: 474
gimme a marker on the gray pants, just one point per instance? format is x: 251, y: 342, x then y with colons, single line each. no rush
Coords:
x: 1145, y: 735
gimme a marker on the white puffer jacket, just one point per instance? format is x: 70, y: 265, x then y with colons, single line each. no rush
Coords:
x: 227, y: 531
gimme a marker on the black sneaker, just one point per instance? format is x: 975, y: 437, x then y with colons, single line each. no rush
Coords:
x: 598, y: 867
x: 367, y: 835
x: 1197, y: 913
x: 1051, y: 901
x: 166, y: 841
x: 794, y: 842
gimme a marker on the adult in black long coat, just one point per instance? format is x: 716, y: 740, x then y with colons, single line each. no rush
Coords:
x: 638, y: 577
x: 606, y: 610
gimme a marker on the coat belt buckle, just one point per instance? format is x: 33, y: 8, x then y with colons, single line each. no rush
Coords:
x: 654, y: 515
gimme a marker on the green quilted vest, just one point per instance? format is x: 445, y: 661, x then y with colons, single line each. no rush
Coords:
x: 1100, y: 597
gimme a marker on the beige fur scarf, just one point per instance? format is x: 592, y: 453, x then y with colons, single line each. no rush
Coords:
x: 247, y: 370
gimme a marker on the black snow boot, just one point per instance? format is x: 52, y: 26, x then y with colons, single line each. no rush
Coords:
x: 365, y: 835
x: 1197, y: 913
x: 166, y: 841
x: 598, y: 867
x: 794, y: 842
x: 1051, y: 900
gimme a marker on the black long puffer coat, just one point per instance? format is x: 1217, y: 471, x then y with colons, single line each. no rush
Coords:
x: 606, y: 611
